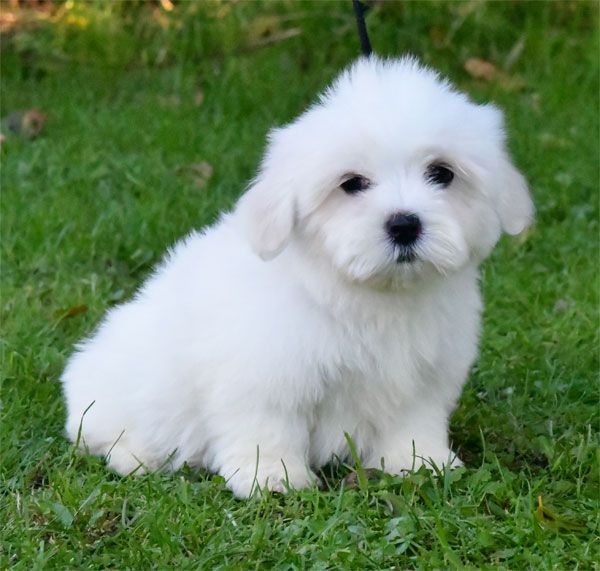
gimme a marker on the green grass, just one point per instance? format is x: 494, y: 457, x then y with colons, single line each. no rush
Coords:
x: 89, y: 207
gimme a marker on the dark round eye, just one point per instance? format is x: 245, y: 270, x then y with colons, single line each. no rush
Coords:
x: 355, y: 184
x: 439, y: 174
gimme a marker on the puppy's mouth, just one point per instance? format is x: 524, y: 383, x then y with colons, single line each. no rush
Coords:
x: 406, y: 256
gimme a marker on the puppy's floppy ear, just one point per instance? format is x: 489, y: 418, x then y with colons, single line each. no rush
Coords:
x: 513, y: 203
x: 267, y: 212
x: 267, y: 209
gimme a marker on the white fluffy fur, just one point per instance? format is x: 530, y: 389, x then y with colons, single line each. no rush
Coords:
x: 289, y: 322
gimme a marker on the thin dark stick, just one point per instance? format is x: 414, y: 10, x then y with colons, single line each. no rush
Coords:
x: 359, y: 12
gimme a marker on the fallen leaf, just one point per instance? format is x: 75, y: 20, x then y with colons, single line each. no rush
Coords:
x: 480, y: 69
x: 276, y: 37
x: 161, y: 19
x: 26, y: 123
x: 437, y: 36
x: 511, y: 82
x: 7, y: 21
x: 199, y: 97
x: 200, y: 172
x: 203, y: 170
x: 262, y: 27
x: 548, y: 518
x: 266, y: 30
x: 71, y: 311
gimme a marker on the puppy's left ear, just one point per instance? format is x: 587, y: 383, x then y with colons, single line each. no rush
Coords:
x: 513, y: 203
x: 268, y: 209
x: 267, y: 212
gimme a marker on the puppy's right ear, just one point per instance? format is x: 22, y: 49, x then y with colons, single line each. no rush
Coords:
x: 267, y: 213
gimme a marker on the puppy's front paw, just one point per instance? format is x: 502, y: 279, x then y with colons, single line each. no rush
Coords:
x: 274, y: 476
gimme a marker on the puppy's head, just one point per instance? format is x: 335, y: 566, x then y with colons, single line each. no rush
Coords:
x: 392, y: 174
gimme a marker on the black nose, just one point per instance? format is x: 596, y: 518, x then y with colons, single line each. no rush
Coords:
x: 403, y: 229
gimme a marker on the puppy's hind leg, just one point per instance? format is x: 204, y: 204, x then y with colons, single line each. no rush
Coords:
x: 119, y: 455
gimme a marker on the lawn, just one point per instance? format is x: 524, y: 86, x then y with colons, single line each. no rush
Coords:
x: 156, y: 118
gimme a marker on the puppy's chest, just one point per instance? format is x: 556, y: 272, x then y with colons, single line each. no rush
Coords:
x: 392, y: 355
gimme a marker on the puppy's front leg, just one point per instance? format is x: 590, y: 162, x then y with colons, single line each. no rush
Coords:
x: 261, y: 448
x: 418, y: 436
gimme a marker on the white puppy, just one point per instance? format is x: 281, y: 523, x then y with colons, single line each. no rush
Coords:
x: 340, y: 295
